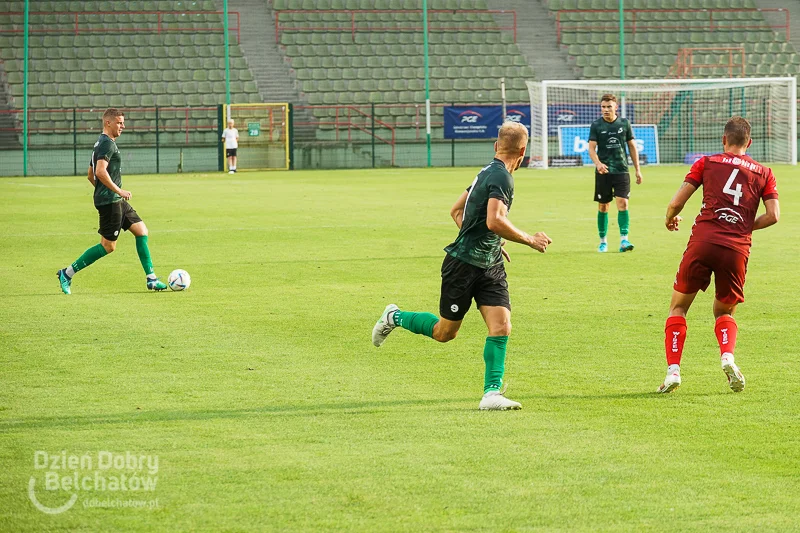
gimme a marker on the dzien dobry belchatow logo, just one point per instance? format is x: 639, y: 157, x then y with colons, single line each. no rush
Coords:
x: 100, y: 479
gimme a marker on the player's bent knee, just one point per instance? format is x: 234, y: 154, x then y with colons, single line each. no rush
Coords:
x: 445, y: 336
x: 109, y: 246
x: 603, y: 208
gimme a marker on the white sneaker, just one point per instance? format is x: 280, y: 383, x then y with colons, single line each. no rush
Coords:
x: 494, y: 401
x: 672, y: 381
x: 735, y: 377
x: 230, y: 172
x: 383, y: 326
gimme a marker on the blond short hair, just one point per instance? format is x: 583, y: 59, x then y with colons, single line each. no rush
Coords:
x: 511, y: 137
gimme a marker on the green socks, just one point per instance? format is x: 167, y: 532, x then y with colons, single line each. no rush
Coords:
x: 420, y: 323
x: 624, y: 220
x: 494, y: 354
x: 88, y: 257
x: 144, y: 254
x: 602, y: 223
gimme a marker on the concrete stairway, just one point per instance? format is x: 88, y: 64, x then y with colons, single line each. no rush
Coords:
x: 794, y: 16
x: 272, y: 73
x: 536, y: 39
x: 8, y: 138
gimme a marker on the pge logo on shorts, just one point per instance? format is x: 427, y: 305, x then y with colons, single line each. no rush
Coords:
x: 454, y: 308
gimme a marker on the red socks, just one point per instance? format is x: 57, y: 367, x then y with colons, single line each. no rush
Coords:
x: 726, y: 331
x: 674, y: 337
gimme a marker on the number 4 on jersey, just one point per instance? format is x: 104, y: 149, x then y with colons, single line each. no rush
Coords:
x: 737, y: 192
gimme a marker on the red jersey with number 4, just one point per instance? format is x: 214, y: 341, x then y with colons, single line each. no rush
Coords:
x: 733, y: 187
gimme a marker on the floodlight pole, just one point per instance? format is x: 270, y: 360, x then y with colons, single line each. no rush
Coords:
x: 427, y: 79
x: 26, y: 46
x: 227, y: 59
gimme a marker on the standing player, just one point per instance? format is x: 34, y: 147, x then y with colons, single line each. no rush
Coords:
x: 231, y: 137
x: 111, y: 202
x: 733, y: 185
x: 608, y: 136
x: 473, y: 266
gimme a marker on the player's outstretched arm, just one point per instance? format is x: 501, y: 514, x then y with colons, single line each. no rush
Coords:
x: 677, y: 204
x: 498, y: 223
x: 769, y: 218
x: 457, y: 211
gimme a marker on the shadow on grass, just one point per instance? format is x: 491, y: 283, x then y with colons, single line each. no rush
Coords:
x: 290, y: 410
x: 644, y: 395
x: 341, y: 408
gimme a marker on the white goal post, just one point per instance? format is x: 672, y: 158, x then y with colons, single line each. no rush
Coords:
x: 673, y: 120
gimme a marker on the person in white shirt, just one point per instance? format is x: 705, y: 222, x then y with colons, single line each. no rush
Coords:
x: 231, y: 137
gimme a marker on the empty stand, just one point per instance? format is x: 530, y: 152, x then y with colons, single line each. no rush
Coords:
x: 360, y: 53
x: 133, y: 55
x: 656, y: 31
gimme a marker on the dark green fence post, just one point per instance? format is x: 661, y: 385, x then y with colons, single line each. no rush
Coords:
x: 452, y: 148
x: 75, y: 138
x: 220, y: 145
x: 291, y: 137
x: 372, y: 113
x: 157, y: 144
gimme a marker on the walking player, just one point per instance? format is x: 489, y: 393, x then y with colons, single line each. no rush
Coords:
x: 111, y: 202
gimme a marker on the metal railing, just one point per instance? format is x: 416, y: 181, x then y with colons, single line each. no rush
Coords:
x: 716, y: 21
x: 68, y: 22
x: 358, y: 23
x: 349, y: 119
x: 685, y: 66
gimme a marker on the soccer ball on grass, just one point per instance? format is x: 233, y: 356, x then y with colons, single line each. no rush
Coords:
x: 179, y: 280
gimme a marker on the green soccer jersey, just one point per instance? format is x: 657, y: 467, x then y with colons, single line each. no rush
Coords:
x: 106, y: 148
x: 475, y: 243
x: 612, y: 141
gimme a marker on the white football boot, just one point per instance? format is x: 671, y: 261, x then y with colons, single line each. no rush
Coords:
x: 672, y: 381
x: 735, y: 377
x: 494, y: 401
x: 383, y: 326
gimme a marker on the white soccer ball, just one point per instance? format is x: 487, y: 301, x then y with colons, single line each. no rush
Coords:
x: 179, y: 280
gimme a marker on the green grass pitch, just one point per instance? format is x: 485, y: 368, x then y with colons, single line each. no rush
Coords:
x: 268, y: 408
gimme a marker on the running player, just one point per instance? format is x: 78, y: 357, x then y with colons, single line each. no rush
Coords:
x: 608, y: 136
x: 111, y: 202
x: 733, y: 185
x: 473, y: 266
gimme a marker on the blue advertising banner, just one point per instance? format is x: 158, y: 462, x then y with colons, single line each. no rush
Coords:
x: 481, y: 122
x: 574, y: 140
x: 575, y: 114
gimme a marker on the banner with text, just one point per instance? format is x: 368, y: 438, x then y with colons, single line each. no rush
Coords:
x: 574, y: 140
x: 482, y: 122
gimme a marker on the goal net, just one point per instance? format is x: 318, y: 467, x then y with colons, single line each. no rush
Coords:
x: 673, y: 120
x: 263, y: 135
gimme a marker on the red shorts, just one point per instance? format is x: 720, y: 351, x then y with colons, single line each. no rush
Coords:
x: 701, y: 259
